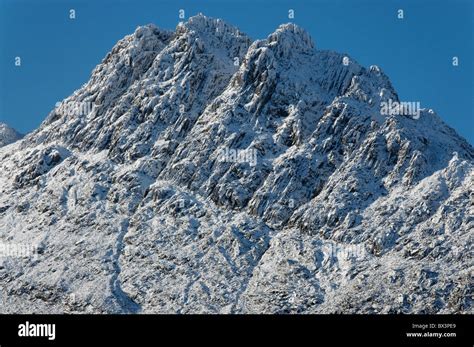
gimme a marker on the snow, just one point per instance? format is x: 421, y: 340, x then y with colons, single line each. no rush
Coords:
x: 8, y: 135
x: 346, y: 210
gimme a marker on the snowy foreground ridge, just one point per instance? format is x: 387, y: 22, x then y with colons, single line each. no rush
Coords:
x: 215, y: 174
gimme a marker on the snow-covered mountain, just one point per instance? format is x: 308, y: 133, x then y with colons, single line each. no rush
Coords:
x: 8, y: 135
x: 202, y: 172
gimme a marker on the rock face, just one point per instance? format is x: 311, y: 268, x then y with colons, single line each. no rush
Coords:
x: 8, y: 135
x: 216, y: 174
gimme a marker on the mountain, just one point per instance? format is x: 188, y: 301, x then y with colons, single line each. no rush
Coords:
x: 8, y: 135
x: 199, y: 171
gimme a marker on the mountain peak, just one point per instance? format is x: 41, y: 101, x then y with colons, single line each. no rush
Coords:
x: 8, y: 135
x: 205, y: 158
x: 291, y: 36
x: 150, y: 30
x: 204, y: 24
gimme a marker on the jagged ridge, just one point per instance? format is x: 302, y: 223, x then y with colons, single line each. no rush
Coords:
x: 135, y: 196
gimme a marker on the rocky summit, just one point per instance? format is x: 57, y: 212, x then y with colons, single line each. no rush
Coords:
x: 216, y: 174
x: 8, y: 135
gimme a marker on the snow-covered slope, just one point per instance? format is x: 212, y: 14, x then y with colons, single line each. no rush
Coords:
x: 136, y: 207
x: 8, y: 135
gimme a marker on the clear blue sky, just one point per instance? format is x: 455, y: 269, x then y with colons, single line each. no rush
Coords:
x: 58, y: 54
